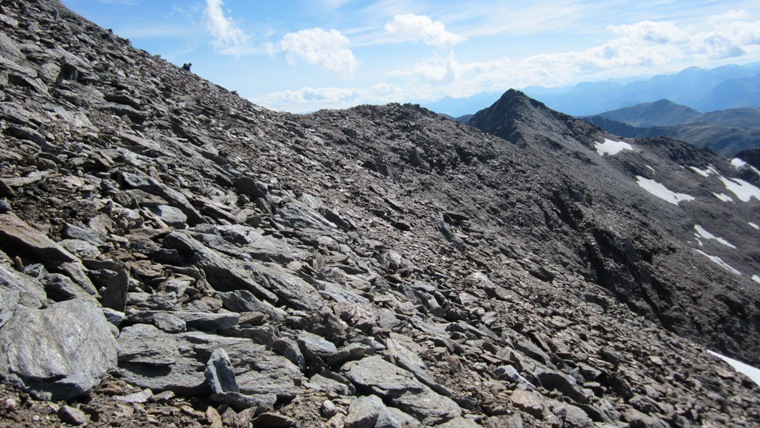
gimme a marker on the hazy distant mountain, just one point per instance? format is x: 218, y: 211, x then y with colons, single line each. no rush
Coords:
x: 658, y: 113
x: 730, y: 86
x: 457, y: 107
x: 726, y: 132
x: 719, y: 88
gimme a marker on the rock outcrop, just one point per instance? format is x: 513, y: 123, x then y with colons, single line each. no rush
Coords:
x: 173, y: 254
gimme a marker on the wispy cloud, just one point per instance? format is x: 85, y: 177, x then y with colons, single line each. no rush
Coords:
x: 327, y: 50
x: 312, y: 99
x: 227, y: 36
x: 421, y: 28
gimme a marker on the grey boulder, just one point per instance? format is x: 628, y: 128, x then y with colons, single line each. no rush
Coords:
x: 57, y: 353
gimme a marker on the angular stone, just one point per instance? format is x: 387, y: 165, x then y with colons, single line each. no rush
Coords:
x: 222, y: 273
x: 369, y: 411
x: 529, y: 402
x: 151, y: 358
x: 172, y: 216
x: 17, y: 237
x: 204, y: 321
x: 72, y: 415
x: 402, y: 389
x: 554, y: 380
x: 59, y: 352
x: 220, y: 376
x: 30, y: 292
x: 112, y: 277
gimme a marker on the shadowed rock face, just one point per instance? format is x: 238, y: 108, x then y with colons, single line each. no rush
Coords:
x: 283, y: 269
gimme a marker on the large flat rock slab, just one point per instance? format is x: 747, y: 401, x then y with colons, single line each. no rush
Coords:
x: 402, y: 389
x: 58, y: 353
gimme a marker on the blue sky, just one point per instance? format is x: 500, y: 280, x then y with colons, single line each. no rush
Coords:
x: 301, y: 56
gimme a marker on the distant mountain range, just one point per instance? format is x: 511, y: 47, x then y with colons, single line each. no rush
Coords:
x: 730, y: 86
x: 726, y: 132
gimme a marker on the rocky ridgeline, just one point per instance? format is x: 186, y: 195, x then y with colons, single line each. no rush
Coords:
x: 172, y: 254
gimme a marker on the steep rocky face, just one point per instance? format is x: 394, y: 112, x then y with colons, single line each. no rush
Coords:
x: 380, y: 266
x: 634, y: 233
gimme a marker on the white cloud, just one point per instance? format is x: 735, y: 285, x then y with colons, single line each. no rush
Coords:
x: 437, y: 69
x: 325, y: 49
x: 228, y: 37
x: 312, y: 99
x: 420, y: 28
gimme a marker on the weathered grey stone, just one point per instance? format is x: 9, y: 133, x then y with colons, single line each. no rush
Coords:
x: 220, y: 376
x: 138, y: 397
x: 151, y: 358
x: 554, y: 380
x: 258, y: 402
x: 59, y: 352
x: 315, y: 347
x: 529, y: 402
x: 72, y: 415
x: 169, y: 323
x: 60, y: 287
x: 573, y: 416
x: 245, y: 301
x: 175, y: 198
x: 30, y: 291
x: 74, y: 232
x: 204, y: 321
x: 409, y: 360
x: 222, y: 273
x: 369, y: 411
x: 172, y: 216
x: 112, y: 278
x: 402, y: 389
x: 17, y: 237
x: 80, y: 248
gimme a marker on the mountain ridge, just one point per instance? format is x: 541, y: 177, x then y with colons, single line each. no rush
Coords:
x: 215, y: 262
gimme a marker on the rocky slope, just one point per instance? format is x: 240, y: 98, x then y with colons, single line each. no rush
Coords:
x: 172, y: 254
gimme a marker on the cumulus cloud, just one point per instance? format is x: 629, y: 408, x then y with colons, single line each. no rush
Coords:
x: 420, y: 28
x: 227, y: 36
x: 325, y: 49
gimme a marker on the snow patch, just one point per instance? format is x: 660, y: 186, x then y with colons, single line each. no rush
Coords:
x: 702, y: 233
x: 743, y: 190
x: 717, y: 260
x: 756, y: 278
x: 611, y: 147
x: 745, y: 369
x: 754, y: 225
x: 739, y: 164
x: 651, y: 169
x: 723, y: 197
x: 661, y: 191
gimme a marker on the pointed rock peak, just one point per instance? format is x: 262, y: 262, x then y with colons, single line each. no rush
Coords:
x: 512, y: 106
x: 519, y: 118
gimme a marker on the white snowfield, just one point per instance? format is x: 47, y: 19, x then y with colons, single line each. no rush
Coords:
x: 700, y: 232
x: 611, y: 147
x: 747, y: 370
x: 744, y: 191
x: 756, y: 278
x: 718, y: 261
x: 662, y: 192
x: 754, y: 225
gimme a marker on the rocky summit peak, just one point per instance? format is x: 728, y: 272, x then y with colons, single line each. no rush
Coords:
x: 171, y: 254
